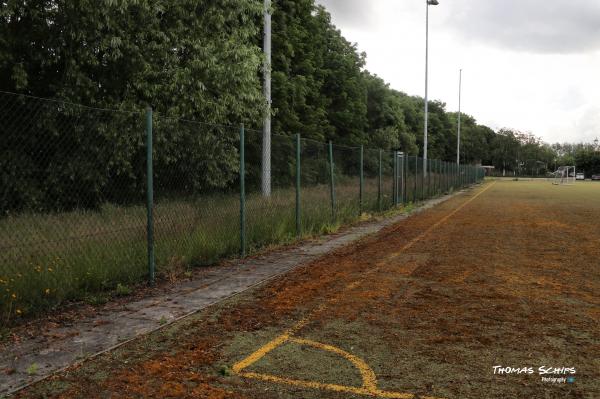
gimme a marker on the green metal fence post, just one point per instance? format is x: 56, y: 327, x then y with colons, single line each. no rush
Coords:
x: 439, y: 177
x: 444, y: 177
x: 405, y: 178
x: 447, y: 173
x: 428, y: 178
x: 422, y: 197
x: 395, y: 178
x: 242, y: 193
x: 402, y: 178
x: 150, y: 196
x: 362, y: 179
x: 438, y: 180
x: 416, y: 178
x: 446, y: 180
x: 398, y: 188
x: 398, y: 177
x: 331, y: 180
x: 424, y: 181
x: 435, y: 177
x: 298, y: 176
x: 454, y: 183
x: 379, y: 182
x: 456, y: 168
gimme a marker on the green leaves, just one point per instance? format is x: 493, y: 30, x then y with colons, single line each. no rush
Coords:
x: 196, y: 60
x: 190, y: 59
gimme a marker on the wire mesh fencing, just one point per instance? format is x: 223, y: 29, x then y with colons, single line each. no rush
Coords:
x: 72, y: 212
x: 195, y: 195
x: 92, y: 200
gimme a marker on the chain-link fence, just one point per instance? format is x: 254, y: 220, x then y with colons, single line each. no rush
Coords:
x: 92, y: 200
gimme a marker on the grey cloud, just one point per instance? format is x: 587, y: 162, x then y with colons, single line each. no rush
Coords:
x: 356, y: 13
x: 588, y: 125
x: 539, y: 26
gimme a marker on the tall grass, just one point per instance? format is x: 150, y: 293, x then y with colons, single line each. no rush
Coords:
x: 46, y: 260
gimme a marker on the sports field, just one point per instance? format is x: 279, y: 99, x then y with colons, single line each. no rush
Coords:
x: 505, y: 274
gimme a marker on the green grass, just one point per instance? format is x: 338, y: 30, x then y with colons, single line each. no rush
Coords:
x: 47, y: 260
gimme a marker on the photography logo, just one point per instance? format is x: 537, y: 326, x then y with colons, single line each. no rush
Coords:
x: 550, y: 375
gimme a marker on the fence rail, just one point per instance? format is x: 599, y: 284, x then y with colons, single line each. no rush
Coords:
x: 92, y: 200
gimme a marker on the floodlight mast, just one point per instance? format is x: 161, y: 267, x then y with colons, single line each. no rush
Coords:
x: 427, y: 3
x: 459, y: 103
x: 266, y: 144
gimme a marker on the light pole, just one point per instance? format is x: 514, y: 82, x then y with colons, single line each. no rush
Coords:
x: 266, y: 145
x: 459, y: 98
x: 427, y: 3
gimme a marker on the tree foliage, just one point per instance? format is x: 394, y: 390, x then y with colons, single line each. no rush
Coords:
x: 193, y: 59
x: 201, y: 60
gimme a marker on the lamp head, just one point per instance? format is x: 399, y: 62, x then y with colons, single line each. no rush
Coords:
x: 433, y: 2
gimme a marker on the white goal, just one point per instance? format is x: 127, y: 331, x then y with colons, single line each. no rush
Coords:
x: 564, y: 175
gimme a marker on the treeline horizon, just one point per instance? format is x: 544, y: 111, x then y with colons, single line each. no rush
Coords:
x: 202, y: 61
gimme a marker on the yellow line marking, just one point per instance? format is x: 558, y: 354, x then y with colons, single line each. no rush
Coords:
x: 271, y: 345
x: 281, y: 339
x: 368, y: 376
x: 369, y: 387
x: 329, y: 387
x: 369, y: 384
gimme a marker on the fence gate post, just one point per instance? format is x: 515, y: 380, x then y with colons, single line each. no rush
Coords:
x: 379, y: 180
x: 362, y: 181
x: 150, y: 196
x: 242, y: 193
x: 298, y: 175
x: 331, y: 180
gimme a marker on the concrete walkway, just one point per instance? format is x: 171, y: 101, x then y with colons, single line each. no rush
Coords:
x: 89, y: 337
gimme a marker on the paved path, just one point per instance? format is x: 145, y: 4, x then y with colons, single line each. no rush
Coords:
x: 92, y: 336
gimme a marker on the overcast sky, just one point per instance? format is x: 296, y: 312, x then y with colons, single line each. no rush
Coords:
x: 532, y: 65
